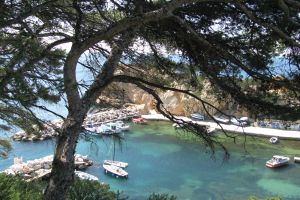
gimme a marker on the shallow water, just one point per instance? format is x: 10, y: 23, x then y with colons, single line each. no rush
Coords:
x: 162, y: 160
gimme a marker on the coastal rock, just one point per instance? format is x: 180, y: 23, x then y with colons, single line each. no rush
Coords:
x: 41, y: 167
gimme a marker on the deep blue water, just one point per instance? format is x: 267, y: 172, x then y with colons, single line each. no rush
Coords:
x: 164, y: 161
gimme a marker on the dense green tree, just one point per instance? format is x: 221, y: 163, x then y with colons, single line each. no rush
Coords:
x: 222, y: 40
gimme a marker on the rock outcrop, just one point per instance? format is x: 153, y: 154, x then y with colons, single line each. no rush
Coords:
x: 177, y: 103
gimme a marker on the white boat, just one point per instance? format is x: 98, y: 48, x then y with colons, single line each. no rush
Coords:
x: 114, y: 170
x: 274, y: 140
x: 175, y: 125
x: 116, y: 163
x: 277, y: 161
x: 197, y: 116
x: 238, y: 122
x: 113, y: 127
x: 210, y: 129
x: 297, y: 159
x: 221, y: 119
x: 86, y: 176
x: 245, y: 119
x: 121, y: 125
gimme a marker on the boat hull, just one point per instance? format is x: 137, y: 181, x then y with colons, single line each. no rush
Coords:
x: 116, y: 163
x: 276, y: 165
x: 297, y: 159
x: 115, y: 171
x: 197, y: 116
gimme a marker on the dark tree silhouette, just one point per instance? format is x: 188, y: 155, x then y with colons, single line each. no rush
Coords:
x: 228, y: 42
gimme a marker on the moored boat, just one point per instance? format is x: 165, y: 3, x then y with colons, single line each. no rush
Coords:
x: 197, y: 116
x: 297, y: 159
x: 274, y: 140
x: 113, y: 127
x: 139, y: 120
x: 210, y: 129
x: 176, y: 126
x: 238, y: 122
x: 121, y: 125
x: 277, y: 161
x: 116, y: 163
x: 114, y: 170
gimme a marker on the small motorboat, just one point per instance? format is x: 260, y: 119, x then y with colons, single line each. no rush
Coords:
x: 121, y: 125
x: 104, y: 129
x: 238, y: 122
x: 274, y: 140
x: 176, y: 126
x: 277, y: 161
x: 297, y: 159
x: 114, y: 170
x: 86, y: 176
x: 210, y: 129
x: 197, y: 116
x: 116, y: 163
x: 139, y: 120
x: 113, y: 127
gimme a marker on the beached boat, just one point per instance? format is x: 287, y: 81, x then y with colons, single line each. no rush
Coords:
x: 197, y: 116
x: 139, y: 120
x: 116, y: 163
x: 221, y: 119
x: 86, y: 176
x: 277, y: 161
x: 274, y: 140
x: 121, y: 125
x: 114, y: 170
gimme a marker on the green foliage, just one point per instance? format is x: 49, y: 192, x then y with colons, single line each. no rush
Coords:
x: 5, y: 146
x: 90, y: 190
x: 13, y: 188
x: 161, y: 197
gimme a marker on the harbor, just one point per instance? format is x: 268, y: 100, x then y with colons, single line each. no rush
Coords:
x: 157, y: 154
x: 94, y: 119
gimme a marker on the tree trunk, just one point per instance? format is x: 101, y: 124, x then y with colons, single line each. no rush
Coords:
x: 63, y: 166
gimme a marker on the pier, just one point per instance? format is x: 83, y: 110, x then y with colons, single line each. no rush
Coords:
x: 248, y: 130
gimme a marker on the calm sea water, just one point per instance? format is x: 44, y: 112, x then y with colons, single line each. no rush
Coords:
x: 162, y: 160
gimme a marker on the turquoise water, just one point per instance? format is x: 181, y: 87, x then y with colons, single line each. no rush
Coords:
x: 162, y: 160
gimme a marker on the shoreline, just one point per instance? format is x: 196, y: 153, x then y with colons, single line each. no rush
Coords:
x: 248, y: 130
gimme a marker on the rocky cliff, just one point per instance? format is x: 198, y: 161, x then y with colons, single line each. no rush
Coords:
x: 175, y: 102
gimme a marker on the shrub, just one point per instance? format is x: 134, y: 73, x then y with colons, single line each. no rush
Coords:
x: 90, y: 190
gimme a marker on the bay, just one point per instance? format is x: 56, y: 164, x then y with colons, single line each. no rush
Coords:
x: 162, y: 160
